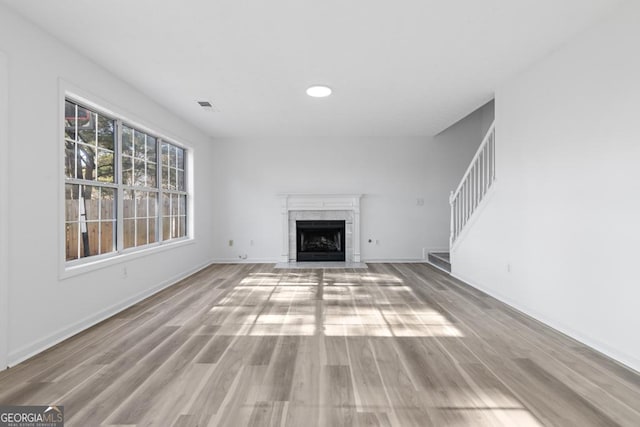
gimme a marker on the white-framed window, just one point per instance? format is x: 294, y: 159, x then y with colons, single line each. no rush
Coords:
x: 124, y: 187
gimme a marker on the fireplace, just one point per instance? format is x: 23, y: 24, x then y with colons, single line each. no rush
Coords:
x: 320, y: 207
x: 320, y: 240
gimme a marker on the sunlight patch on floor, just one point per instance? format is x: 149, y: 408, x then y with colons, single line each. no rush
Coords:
x: 296, y: 304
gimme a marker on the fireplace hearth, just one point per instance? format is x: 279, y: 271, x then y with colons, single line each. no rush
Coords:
x: 320, y: 240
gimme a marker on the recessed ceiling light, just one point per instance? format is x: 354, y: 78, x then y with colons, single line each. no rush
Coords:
x: 319, y: 91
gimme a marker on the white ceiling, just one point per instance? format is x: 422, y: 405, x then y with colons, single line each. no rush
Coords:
x: 404, y: 67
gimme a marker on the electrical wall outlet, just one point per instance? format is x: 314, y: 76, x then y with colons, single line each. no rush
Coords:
x: 231, y: 242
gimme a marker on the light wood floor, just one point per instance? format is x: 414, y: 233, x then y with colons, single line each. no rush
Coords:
x: 397, y: 344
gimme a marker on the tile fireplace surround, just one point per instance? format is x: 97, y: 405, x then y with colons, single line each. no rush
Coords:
x: 299, y: 207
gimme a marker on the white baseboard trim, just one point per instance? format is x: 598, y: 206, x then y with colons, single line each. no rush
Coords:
x: 40, y: 345
x: 276, y: 260
x: 392, y: 260
x: 246, y: 261
x: 629, y: 361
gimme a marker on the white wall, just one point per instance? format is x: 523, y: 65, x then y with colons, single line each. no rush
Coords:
x: 4, y: 225
x: 391, y: 173
x: 564, y: 216
x: 42, y: 307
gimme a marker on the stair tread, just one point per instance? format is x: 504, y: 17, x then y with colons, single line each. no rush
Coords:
x: 444, y: 256
x: 441, y: 260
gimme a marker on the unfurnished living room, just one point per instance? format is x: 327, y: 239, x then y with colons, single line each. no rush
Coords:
x: 319, y: 213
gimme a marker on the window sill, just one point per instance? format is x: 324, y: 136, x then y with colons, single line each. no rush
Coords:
x: 68, y: 271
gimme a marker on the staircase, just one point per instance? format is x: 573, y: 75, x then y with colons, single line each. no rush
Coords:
x: 464, y: 201
x: 474, y: 185
x: 440, y: 260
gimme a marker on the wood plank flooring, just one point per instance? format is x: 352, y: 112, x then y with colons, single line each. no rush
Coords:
x: 392, y: 345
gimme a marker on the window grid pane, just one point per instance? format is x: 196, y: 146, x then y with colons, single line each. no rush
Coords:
x: 174, y: 216
x: 139, y: 158
x: 173, y: 167
x: 140, y: 218
x: 89, y: 145
x: 90, y: 223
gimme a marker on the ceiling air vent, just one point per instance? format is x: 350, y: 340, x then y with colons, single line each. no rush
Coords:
x: 207, y: 106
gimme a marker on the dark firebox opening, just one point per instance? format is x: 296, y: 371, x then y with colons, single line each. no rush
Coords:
x: 320, y: 241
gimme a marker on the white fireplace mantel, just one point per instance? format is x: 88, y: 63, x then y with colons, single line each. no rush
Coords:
x: 310, y: 203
